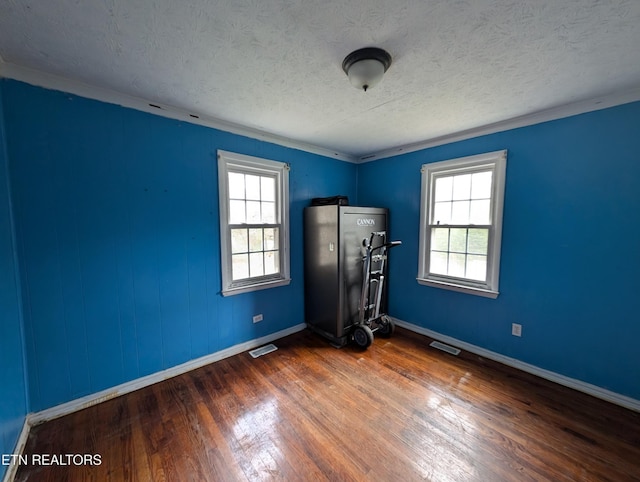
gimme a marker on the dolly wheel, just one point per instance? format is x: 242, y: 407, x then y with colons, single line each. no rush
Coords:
x: 363, y: 336
x: 387, y: 326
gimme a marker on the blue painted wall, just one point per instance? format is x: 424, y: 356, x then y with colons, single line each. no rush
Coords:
x: 116, y: 221
x: 570, y: 249
x: 118, y: 233
x: 13, y: 397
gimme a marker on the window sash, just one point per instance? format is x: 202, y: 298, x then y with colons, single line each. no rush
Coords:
x: 276, y: 249
x: 250, y: 199
x: 486, y: 282
x: 456, y: 200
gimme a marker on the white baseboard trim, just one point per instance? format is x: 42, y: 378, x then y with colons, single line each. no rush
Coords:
x: 609, y: 396
x: 21, y: 443
x: 104, y: 395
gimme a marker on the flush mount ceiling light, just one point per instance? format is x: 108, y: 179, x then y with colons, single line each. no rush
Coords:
x: 365, y: 67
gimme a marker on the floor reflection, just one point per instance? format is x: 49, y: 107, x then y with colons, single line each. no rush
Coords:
x: 257, y: 433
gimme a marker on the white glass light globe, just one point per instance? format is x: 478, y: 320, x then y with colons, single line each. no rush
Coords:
x: 366, y: 73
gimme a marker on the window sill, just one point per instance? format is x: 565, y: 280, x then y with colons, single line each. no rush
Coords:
x: 256, y: 287
x: 459, y: 288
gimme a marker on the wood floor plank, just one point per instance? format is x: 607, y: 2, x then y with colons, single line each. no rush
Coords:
x: 399, y: 411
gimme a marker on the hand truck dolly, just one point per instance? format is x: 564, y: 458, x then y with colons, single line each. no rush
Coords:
x: 370, y: 320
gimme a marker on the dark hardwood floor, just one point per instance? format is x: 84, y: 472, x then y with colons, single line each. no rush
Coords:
x: 399, y: 411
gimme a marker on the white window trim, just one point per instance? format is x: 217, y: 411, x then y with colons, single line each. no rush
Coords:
x: 228, y: 161
x: 490, y: 289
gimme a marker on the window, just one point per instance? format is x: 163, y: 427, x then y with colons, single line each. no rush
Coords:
x: 254, y: 223
x: 461, y: 223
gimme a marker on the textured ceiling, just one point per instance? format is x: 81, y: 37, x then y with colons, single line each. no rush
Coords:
x: 275, y: 65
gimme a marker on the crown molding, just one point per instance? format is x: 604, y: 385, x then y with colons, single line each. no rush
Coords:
x: 566, y: 110
x: 56, y: 82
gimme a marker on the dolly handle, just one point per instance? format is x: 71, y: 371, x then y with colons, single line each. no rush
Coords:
x: 368, y: 242
x: 387, y: 245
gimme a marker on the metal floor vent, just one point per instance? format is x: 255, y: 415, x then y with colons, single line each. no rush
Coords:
x: 443, y: 347
x: 263, y: 350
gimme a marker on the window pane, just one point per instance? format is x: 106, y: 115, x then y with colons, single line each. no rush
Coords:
x: 268, y: 212
x: 255, y: 240
x: 460, y: 212
x: 462, y: 186
x: 239, y: 241
x: 442, y: 213
x: 253, y: 212
x: 271, y: 262
x: 268, y: 185
x: 444, y: 186
x: 236, y: 185
x: 456, y: 265
x: 477, y: 267
x: 271, y: 238
x: 458, y: 240
x: 478, y: 241
x: 236, y: 212
x: 253, y: 187
x: 480, y: 212
x: 438, y: 263
x: 240, y: 266
x: 440, y: 239
x: 256, y: 264
x: 481, y: 185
